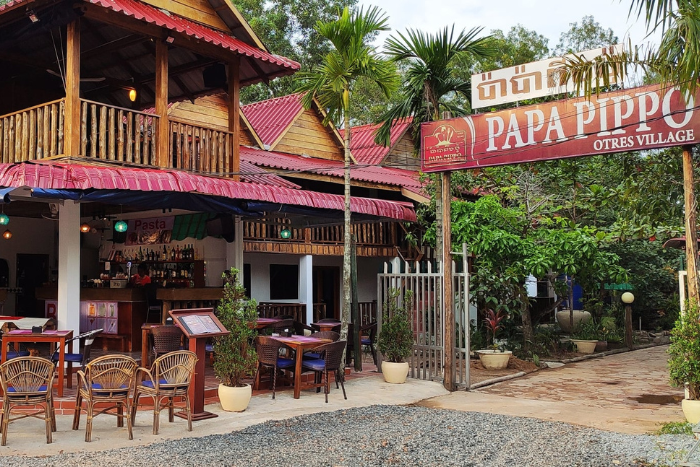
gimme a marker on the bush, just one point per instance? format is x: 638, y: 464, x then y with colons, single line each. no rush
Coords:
x: 684, y: 361
x: 234, y: 353
x: 396, y: 337
x: 588, y: 331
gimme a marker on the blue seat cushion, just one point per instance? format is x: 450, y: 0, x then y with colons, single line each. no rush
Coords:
x: 149, y: 383
x: 366, y: 341
x: 122, y: 388
x: 309, y: 355
x: 209, y: 347
x: 21, y: 353
x: 285, y: 363
x: 69, y: 357
x: 314, y: 364
x: 41, y: 388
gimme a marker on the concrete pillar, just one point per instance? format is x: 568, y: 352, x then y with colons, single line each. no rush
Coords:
x: 306, y: 285
x: 234, y: 250
x: 69, y: 266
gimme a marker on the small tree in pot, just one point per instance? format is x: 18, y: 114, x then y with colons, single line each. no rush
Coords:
x: 684, y: 361
x: 234, y: 354
x: 494, y: 358
x: 396, y: 337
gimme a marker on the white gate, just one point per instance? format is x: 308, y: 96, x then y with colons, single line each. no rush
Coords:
x: 427, y: 316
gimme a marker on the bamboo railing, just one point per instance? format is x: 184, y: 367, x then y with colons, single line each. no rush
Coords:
x: 366, y: 234
x: 33, y: 133
x: 117, y: 134
x: 199, y: 149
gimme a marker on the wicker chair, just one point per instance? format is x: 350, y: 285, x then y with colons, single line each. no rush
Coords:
x: 332, y: 335
x: 27, y: 382
x: 169, y: 377
x: 166, y: 338
x: 284, y: 327
x: 332, y: 357
x: 108, y: 379
x: 268, y: 350
x: 301, y: 328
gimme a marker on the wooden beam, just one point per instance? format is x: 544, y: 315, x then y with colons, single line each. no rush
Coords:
x: 72, y: 110
x: 234, y: 121
x: 113, y: 46
x: 163, y: 135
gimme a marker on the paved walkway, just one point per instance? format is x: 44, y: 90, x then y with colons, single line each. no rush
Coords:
x: 627, y: 392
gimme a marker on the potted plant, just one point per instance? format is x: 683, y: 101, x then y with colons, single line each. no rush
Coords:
x: 495, y: 357
x: 606, y: 328
x: 395, y: 340
x: 234, y: 354
x: 684, y: 360
x: 585, y: 336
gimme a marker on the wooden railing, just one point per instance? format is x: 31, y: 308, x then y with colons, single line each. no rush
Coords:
x: 33, y: 133
x: 117, y: 134
x: 296, y: 310
x: 199, y: 149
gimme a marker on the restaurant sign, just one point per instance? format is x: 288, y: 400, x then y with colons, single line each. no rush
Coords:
x: 628, y: 120
x: 149, y: 231
x: 531, y: 80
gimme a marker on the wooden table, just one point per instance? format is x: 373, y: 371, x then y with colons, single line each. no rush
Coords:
x: 54, y: 337
x: 299, y: 344
x: 326, y: 326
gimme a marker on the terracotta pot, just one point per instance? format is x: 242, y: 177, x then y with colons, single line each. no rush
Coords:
x: 562, y: 317
x: 395, y: 372
x: 235, y: 399
x: 494, y: 359
x: 691, y: 410
x: 601, y: 346
x: 585, y: 346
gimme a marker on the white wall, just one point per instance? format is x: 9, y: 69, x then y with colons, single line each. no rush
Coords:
x: 33, y: 236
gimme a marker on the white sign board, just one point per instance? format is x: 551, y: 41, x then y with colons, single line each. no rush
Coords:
x: 528, y: 81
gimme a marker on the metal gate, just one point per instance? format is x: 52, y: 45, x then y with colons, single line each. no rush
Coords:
x: 427, y: 316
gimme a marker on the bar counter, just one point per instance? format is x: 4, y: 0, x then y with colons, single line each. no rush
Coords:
x: 196, y: 297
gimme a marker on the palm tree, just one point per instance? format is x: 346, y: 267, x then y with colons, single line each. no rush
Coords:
x: 429, y: 85
x: 331, y: 84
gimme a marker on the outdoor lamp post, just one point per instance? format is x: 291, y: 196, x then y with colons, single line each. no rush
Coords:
x: 627, y: 299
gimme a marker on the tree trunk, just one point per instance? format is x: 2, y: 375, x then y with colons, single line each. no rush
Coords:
x: 526, y: 319
x: 691, y: 236
x: 345, y: 311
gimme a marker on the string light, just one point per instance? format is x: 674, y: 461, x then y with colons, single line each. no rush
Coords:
x: 85, y: 228
x: 132, y: 95
x: 7, y: 235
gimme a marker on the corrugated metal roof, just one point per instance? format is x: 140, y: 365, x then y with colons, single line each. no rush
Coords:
x: 373, y: 173
x: 363, y: 147
x: 253, y: 174
x: 84, y: 177
x: 167, y: 20
x: 270, y: 118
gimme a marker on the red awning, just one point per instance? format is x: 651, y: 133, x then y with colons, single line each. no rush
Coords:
x: 59, y: 176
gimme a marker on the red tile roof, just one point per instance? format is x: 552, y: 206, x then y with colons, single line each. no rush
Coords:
x: 271, y: 118
x: 57, y: 176
x: 363, y: 147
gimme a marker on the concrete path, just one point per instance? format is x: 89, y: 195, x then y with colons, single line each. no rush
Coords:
x: 627, y: 393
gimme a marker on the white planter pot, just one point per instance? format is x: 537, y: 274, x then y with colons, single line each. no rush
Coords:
x: 563, y: 317
x: 494, y: 359
x: 691, y: 410
x: 585, y: 346
x: 235, y: 399
x: 395, y: 372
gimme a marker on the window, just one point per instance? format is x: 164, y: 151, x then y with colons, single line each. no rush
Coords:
x: 284, y: 282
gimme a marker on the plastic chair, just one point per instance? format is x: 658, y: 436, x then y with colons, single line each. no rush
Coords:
x: 332, y: 356
x: 166, y: 339
x: 27, y: 382
x: 108, y: 379
x: 169, y: 377
x: 268, y: 350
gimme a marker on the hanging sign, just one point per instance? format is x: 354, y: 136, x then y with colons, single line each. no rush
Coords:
x: 628, y: 120
x: 149, y: 231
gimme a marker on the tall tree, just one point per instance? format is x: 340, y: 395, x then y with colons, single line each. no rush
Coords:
x: 352, y: 57
x: 586, y: 36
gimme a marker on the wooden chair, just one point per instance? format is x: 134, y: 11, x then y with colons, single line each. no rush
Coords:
x: 108, y: 379
x: 169, y: 377
x: 332, y: 356
x: 27, y: 382
x: 332, y: 335
x: 268, y: 350
x: 166, y: 338
x: 368, y: 337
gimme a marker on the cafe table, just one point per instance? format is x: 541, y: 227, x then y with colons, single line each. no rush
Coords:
x: 326, y: 325
x: 55, y: 337
x: 299, y: 344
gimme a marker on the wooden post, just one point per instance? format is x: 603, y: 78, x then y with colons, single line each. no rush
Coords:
x: 163, y: 131
x: 72, y: 109
x: 448, y: 298
x: 629, y: 340
x: 234, y: 118
x: 691, y: 236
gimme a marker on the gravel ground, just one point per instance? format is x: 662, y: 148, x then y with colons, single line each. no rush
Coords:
x: 392, y: 435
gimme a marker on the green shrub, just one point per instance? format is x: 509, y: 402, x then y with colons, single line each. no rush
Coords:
x: 684, y: 361
x: 396, y: 337
x: 234, y: 354
x: 675, y: 428
x: 588, y: 331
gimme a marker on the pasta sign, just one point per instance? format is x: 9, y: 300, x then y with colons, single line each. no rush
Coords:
x: 629, y: 120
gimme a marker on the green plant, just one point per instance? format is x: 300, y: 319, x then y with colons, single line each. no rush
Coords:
x: 675, y: 428
x: 234, y: 353
x: 396, y: 337
x: 684, y: 361
x: 607, y: 326
x: 588, y: 331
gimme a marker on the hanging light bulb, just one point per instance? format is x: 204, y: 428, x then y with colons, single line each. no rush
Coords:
x: 4, y: 219
x: 132, y: 95
x: 7, y: 235
x: 120, y: 226
x: 85, y: 227
x: 285, y: 233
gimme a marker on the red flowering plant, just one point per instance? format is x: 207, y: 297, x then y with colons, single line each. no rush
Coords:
x: 492, y: 321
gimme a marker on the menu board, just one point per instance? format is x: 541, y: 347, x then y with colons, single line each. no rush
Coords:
x: 199, y: 324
